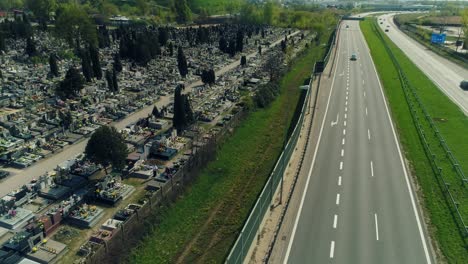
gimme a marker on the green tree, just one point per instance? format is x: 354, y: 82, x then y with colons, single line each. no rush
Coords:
x: 182, y: 63
x: 71, y: 85
x: 31, y: 47
x: 110, y: 80
x: 464, y: 17
x: 53, y: 65
x: 74, y: 25
x: 182, y: 11
x: 86, y: 65
x: 107, y: 147
x: 2, y: 42
x: 243, y: 61
x: 96, y: 62
x: 42, y: 9
x: 183, y: 115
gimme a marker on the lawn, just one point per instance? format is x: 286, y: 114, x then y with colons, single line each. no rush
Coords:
x: 203, y: 224
x: 452, y: 124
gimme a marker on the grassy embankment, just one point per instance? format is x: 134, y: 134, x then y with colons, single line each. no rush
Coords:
x: 201, y: 226
x: 452, y: 124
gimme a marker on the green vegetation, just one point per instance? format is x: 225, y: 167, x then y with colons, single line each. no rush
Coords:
x: 203, y: 224
x: 452, y: 124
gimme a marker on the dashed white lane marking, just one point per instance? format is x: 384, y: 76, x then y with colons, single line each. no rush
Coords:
x: 335, y: 221
x: 344, y: 123
x: 364, y: 93
x: 363, y: 82
x: 372, y: 168
x: 346, y: 109
x: 339, y: 181
x: 345, y: 116
x: 346, y: 98
x: 366, y: 110
x: 337, y: 199
x: 343, y: 141
x: 347, y: 92
x: 346, y: 103
x: 332, y: 249
x: 368, y: 134
x: 341, y: 165
x: 342, y: 152
x: 376, y: 227
x: 344, y: 132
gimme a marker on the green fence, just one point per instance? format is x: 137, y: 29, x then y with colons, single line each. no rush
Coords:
x: 251, y: 227
x: 447, y: 170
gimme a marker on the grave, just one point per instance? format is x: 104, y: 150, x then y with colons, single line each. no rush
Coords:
x: 111, y: 190
x: 49, y: 189
x: 12, y: 217
x: 85, y: 216
x: 47, y: 251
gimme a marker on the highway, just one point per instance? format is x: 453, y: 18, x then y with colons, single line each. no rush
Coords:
x: 358, y: 205
x: 444, y: 73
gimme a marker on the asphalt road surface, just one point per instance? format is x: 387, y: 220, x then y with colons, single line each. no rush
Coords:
x: 20, y: 177
x: 358, y: 205
x: 444, y: 73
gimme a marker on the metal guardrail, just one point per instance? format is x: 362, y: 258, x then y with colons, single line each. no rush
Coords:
x: 422, y: 120
x: 249, y: 231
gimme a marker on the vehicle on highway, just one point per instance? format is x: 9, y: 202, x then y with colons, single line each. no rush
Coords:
x: 464, y: 85
x: 4, y: 174
x: 347, y: 26
x: 381, y: 22
x: 386, y: 30
x: 353, y: 57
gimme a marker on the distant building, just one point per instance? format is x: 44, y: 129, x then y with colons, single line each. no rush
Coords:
x: 119, y: 20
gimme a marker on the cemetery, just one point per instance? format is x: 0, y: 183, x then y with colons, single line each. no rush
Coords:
x: 39, y: 120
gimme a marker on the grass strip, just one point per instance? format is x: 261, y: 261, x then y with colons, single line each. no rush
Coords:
x: 452, y: 124
x: 226, y: 190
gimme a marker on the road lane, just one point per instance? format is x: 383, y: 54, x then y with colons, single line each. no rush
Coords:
x: 444, y: 73
x: 375, y: 220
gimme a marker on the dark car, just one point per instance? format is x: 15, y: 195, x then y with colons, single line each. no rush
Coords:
x: 353, y: 57
x: 464, y: 85
x: 386, y: 30
x: 4, y: 174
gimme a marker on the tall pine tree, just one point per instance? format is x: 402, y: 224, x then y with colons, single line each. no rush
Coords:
x: 53, y: 65
x: 182, y: 63
x: 96, y: 63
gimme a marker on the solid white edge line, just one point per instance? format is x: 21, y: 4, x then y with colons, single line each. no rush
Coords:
x: 335, y: 221
x: 332, y: 249
x: 376, y: 228
x: 337, y: 199
x: 296, y: 221
x: 421, y: 233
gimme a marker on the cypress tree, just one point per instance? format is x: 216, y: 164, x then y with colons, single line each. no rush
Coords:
x: 182, y: 63
x: 30, y: 47
x: 86, y: 66
x: 110, y: 80
x: 115, y: 81
x: 96, y: 64
x: 240, y: 41
x: 171, y: 49
x: 117, y: 63
x: 2, y: 43
x: 243, y: 61
x: 53, y: 65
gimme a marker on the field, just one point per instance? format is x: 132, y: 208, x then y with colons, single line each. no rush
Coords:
x: 201, y: 226
x: 452, y: 124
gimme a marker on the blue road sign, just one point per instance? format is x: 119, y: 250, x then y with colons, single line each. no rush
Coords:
x: 438, y: 38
